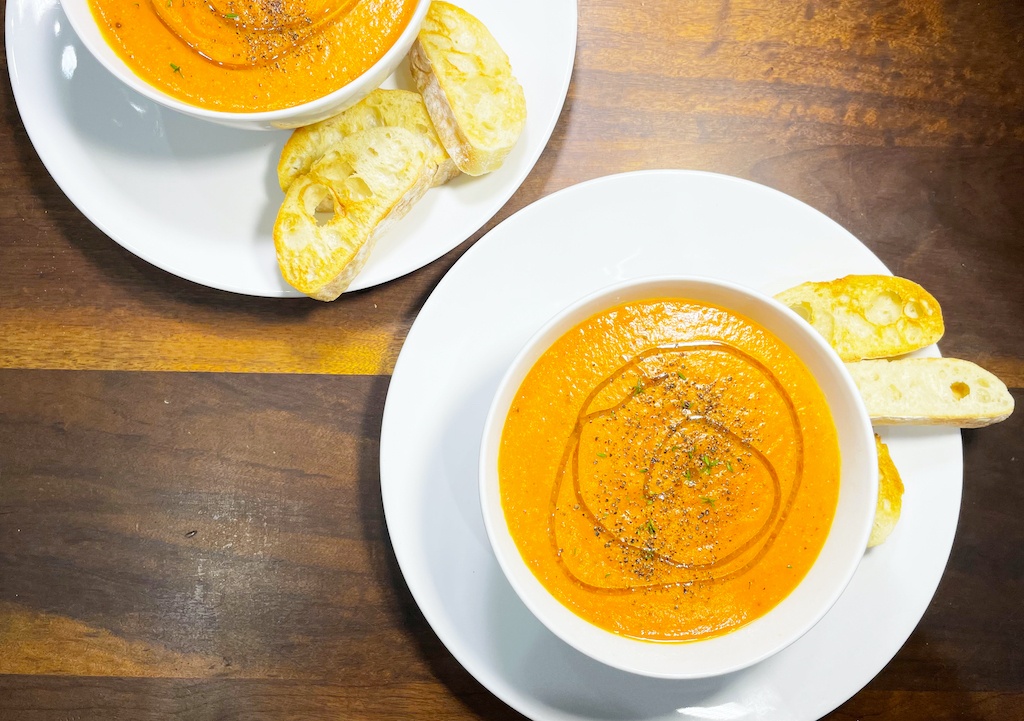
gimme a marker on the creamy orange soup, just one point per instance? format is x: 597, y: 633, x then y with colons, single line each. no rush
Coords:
x: 250, y: 55
x: 669, y: 470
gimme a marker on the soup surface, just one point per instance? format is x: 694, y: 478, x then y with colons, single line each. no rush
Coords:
x: 669, y: 470
x: 250, y: 55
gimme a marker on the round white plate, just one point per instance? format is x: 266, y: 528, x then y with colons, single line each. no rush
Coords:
x: 479, y: 316
x: 199, y: 200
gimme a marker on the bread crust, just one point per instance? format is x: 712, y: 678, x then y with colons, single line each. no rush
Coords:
x: 465, y: 78
x: 371, y: 178
x: 381, y: 108
x: 931, y: 391
x: 448, y: 131
x: 890, y: 496
x: 868, y: 316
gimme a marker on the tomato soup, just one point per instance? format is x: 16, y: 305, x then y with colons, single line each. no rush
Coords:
x: 669, y: 470
x: 250, y: 55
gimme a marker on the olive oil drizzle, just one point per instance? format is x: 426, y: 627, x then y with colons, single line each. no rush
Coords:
x: 258, y: 33
x: 734, y: 564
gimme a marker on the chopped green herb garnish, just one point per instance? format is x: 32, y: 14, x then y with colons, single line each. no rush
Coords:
x: 231, y: 16
x: 643, y: 470
x: 651, y: 529
x: 728, y: 464
x: 708, y: 500
x: 681, y: 376
x: 602, y: 455
x: 687, y: 475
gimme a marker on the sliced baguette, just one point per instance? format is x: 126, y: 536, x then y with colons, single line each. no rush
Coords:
x: 381, y: 108
x: 890, y: 496
x: 930, y: 391
x: 372, y: 178
x: 868, y: 316
x: 477, y: 106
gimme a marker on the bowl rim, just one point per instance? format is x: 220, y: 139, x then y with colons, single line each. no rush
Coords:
x: 79, y: 12
x: 614, y: 649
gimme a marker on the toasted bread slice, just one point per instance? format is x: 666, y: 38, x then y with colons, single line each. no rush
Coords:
x: 477, y: 106
x: 372, y: 178
x: 931, y: 391
x: 890, y: 496
x: 868, y: 316
x: 381, y: 108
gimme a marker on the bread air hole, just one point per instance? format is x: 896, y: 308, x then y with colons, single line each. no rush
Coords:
x: 915, y: 309
x: 318, y: 204
x: 333, y: 168
x: 324, y: 217
x: 464, y: 63
x: 960, y: 390
x: 313, y: 197
x: 356, y: 188
x: 885, y: 308
x: 804, y: 311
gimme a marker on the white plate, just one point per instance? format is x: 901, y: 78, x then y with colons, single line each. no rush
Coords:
x: 482, y: 312
x: 199, y: 200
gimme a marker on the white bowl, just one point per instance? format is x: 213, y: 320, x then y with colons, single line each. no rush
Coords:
x: 85, y: 26
x: 831, y: 572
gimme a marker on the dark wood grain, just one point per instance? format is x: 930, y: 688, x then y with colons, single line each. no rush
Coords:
x: 190, y: 515
x: 166, y: 502
x: 142, y: 541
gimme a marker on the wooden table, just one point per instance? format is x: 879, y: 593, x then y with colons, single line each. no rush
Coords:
x: 190, y: 517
